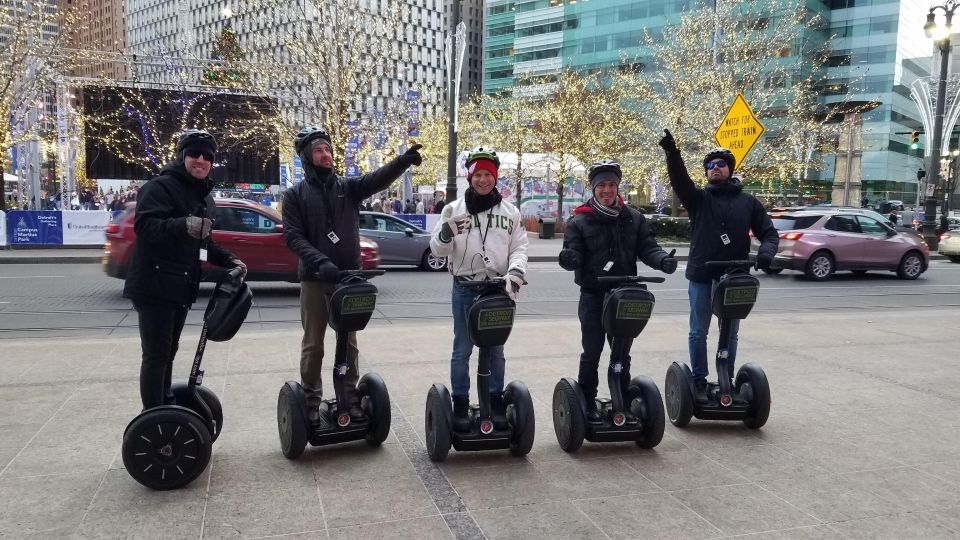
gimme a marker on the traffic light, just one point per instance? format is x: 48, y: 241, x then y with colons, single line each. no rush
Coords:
x: 915, y: 140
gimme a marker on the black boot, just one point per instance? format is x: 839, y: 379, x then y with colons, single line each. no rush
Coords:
x: 700, y: 390
x: 593, y: 415
x: 461, y: 413
x: 498, y: 411
x: 353, y: 402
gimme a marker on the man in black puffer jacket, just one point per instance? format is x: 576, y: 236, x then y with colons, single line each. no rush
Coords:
x: 173, y: 220
x: 321, y: 225
x: 721, y: 217
x: 605, y: 237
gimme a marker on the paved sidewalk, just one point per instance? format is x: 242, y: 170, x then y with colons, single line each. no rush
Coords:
x: 862, y: 441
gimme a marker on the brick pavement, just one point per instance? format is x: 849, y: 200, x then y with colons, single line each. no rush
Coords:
x: 862, y: 442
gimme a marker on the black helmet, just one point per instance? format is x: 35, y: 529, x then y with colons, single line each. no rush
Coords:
x: 308, y: 134
x: 721, y: 153
x: 607, y: 165
x: 192, y: 136
x: 482, y: 152
x: 228, y: 307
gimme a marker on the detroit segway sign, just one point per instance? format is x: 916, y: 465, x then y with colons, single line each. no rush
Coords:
x: 740, y: 129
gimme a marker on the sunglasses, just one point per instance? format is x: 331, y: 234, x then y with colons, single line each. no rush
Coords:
x: 197, y: 153
x: 717, y: 163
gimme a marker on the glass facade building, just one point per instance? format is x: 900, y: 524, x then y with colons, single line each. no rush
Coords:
x: 877, y: 51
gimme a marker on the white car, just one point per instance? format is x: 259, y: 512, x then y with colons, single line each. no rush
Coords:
x: 950, y: 245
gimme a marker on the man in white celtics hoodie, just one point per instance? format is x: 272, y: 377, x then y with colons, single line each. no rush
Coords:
x: 482, y: 236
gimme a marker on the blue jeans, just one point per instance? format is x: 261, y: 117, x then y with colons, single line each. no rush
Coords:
x: 592, y: 336
x: 462, y: 299
x: 701, y: 313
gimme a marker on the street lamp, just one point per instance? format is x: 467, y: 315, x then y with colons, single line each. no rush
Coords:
x: 941, y: 36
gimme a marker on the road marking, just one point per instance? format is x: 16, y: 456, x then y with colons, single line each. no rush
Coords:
x: 30, y: 277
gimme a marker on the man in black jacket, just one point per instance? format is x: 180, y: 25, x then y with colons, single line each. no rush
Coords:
x: 721, y: 218
x: 605, y: 237
x: 321, y: 225
x: 173, y: 219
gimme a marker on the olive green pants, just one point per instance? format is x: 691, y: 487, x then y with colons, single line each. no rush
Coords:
x: 314, y: 316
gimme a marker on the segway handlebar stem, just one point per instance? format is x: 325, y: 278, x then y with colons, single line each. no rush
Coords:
x: 365, y: 274
x: 741, y: 263
x: 617, y: 280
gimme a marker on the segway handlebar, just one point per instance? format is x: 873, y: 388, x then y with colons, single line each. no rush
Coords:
x: 480, y: 284
x: 617, y: 280
x: 365, y: 274
x: 741, y: 263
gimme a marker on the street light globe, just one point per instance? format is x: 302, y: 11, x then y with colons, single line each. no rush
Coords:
x: 942, y: 32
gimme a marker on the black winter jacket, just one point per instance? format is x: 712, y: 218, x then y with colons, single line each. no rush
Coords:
x: 597, y: 241
x: 165, y: 265
x: 315, y: 206
x: 717, y: 210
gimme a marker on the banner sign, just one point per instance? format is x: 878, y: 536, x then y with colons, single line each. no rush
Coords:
x: 284, y: 175
x: 297, y: 170
x: 81, y: 227
x: 3, y: 228
x: 413, y: 113
x: 353, y: 149
x: 420, y: 220
x: 34, y: 227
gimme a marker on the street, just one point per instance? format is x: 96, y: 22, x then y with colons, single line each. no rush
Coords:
x: 80, y: 300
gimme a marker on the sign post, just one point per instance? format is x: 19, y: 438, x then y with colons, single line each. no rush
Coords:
x: 740, y: 129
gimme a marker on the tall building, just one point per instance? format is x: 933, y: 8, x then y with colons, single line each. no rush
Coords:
x: 185, y: 31
x: 879, y: 49
x: 102, y: 28
x: 874, y: 57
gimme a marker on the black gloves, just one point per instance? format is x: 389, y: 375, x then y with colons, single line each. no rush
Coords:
x: 412, y: 156
x: 668, y: 264
x: 668, y: 144
x: 569, y: 259
x: 198, y: 227
x: 327, y: 271
x: 763, y: 261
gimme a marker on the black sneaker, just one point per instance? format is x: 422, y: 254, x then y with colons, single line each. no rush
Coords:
x: 313, y: 413
x: 461, y: 413
x: 498, y: 411
x: 700, y: 389
x: 593, y: 415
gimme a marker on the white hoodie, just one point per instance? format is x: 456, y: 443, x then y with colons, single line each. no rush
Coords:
x: 498, y: 233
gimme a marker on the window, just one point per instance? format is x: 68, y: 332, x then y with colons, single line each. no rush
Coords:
x: 243, y: 220
x: 792, y: 223
x: 842, y: 224
x: 871, y: 226
x: 380, y: 223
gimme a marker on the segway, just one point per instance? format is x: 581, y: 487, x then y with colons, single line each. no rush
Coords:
x: 748, y: 397
x: 350, y: 306
x: 490, y: 320
x: 626, y: 310
x: 168, y: 446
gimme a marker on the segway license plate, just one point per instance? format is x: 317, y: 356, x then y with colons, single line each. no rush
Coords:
x: 626, y: 311
x: 351, y: 306
x: 490, y: 321
x: 735, y: 295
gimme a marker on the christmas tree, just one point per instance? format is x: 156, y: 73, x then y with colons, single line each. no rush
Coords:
x: 226, y: 71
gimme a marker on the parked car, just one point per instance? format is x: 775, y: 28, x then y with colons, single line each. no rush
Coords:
x: 950, y: 245
x: 252, y: 232
x: 822, y: 241
x: 400, y: 242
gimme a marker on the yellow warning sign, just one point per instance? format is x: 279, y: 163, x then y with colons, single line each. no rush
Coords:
x: 739, y: 130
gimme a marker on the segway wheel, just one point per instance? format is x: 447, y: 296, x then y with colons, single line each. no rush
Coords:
x: 213, y: 411
x: 375, y: 401
x: 519, y: 405
x: 292, y: 420
x: 647, y: 405
x: 568, y: 421
x: 679, y: 397
x: 166, y: 447
x: 751, y: 384
x: 438, y: 422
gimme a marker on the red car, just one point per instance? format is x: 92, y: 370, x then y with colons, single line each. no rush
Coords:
x: 251, y: 231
